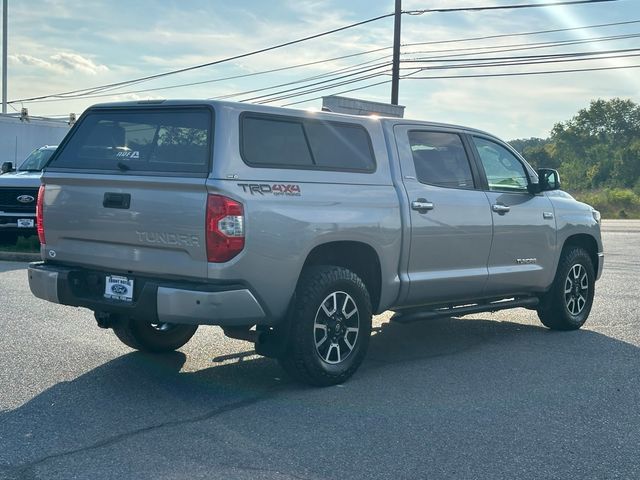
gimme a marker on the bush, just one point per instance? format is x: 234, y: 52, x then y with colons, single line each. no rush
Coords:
x: 612, y: 203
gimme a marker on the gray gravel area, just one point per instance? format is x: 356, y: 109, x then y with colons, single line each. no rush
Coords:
x: 492, y: 396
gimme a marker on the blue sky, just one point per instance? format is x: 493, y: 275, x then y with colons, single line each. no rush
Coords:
x: 60, y: 45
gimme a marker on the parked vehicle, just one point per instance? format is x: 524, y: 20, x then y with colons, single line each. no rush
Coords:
x: 18, y: 195
x: 167, y: 215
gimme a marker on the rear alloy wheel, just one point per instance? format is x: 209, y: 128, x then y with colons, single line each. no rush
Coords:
x: 336, y: 327
x: 330, y: 326
x: 568, y: 303
x: 152, y: 337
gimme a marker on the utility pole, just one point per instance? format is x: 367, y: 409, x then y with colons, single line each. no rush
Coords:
x: 4, y: 55
x: 395, y: 75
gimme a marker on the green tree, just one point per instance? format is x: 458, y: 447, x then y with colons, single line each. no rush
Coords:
x: 599, y: 147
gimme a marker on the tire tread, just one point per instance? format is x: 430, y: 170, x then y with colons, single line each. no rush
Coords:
x: 551, y: 311
x: 296, y: 362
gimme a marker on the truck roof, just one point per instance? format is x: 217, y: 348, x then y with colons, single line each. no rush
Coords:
x: 242, y: 107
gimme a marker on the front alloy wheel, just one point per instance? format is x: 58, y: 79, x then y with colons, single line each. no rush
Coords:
x: 576, y: 289
x: 567, y: 304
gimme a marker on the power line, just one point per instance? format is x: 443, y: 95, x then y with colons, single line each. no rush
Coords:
x: 409, y: 77
x: 358, y: 72
x: 353, y: 70
x: 537, y: 32
x: 358, y: 78
x: 147, y: 90
x: 338, y: 93
x: 421, y: 69
x: 520, y: 46
x: 502, y: 7
x: 221, y: 79
x: 515, y: 74
x: 520, y: 63
x: 70, y: 95
x: 216, y: 62
x: 96, y: 89
x: 479, y: 63
x: 347, y: 91
x: 525, y: 57
x: 319, y: 89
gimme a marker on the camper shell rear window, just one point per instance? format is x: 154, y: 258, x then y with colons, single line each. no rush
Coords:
x: 157, y: 140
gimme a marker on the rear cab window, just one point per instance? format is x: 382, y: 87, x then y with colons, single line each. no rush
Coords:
x: 159, y: 140
x: 275, y: 141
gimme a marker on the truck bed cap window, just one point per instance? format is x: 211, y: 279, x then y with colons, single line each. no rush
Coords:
x: 277, y: 141
x: 168, y: 140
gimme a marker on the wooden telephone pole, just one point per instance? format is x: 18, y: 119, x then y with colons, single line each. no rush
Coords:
x: 395, y: 75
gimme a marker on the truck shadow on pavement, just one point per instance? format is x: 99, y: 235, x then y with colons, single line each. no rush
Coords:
x: 441, y: 375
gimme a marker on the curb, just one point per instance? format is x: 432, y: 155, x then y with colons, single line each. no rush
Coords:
x: 19, y: 257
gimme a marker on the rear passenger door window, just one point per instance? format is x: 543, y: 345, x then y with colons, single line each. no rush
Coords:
x: 275, y: 141
x: 440, y: 159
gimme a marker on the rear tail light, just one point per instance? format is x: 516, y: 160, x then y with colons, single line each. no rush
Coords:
x: 39, y: 214
x: 224, y: 229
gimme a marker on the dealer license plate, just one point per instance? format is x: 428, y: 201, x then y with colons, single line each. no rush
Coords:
x: 25, y: 223
x: 118, y: 288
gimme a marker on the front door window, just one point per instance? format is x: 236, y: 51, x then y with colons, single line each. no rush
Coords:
x: 505, y: 173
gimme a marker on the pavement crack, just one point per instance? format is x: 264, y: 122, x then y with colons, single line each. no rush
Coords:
x: 27, y: 471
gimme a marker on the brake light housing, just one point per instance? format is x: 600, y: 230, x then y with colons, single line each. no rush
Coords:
x: 224, y: 228
x: 40, y: 215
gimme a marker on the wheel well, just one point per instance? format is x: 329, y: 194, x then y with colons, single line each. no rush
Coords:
x: 588, y: 243
x: 358, y: 257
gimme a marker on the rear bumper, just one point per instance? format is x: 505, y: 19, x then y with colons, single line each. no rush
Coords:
x: 154, y: 300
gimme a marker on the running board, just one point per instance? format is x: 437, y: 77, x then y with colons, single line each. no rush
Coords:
x: 416, y: 315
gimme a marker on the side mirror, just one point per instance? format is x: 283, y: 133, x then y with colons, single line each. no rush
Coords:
x: 549, y: 179
x: 6, y: 167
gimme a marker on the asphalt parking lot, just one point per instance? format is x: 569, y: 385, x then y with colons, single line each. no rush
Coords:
x: 493, y: 396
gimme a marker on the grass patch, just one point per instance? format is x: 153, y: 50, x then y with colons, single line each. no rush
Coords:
x: 612, y: 202
x: 24, y: 245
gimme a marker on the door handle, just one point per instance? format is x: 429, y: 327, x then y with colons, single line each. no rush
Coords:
x: 421, y: 205
x: 501, y: 209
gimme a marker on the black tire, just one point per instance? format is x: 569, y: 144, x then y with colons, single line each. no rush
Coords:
x: 155, y: 338
x: 320, y: 291
x: 567, y: 304
x: 8, y: 238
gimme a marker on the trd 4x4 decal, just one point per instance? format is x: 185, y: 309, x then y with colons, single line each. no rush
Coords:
x: 289, y: 189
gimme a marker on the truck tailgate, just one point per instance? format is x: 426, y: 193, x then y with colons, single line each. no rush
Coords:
x: 140, y: 224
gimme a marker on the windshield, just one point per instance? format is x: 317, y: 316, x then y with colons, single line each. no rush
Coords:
x: 36, y: 160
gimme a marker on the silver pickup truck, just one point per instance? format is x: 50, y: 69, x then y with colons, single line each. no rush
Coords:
x: 290, y: 229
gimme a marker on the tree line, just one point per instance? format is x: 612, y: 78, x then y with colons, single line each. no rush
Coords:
x: 597, y: 153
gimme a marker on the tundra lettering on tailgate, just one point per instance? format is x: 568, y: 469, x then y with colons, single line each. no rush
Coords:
x: 168, y: 238
x: 289, y: 189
